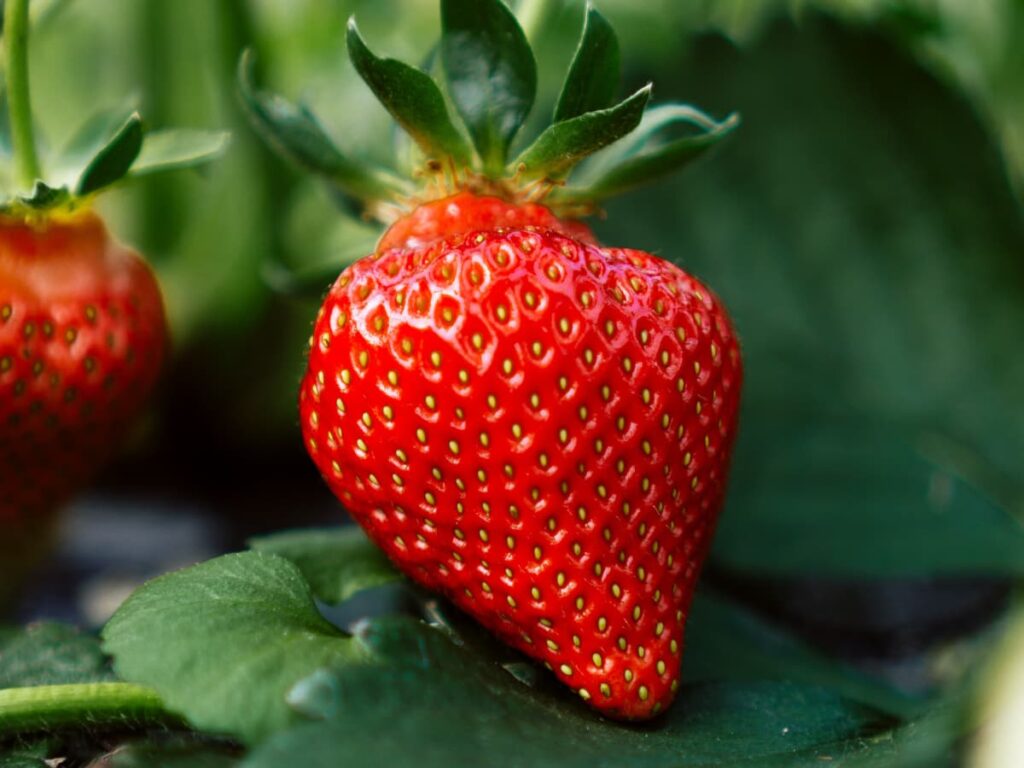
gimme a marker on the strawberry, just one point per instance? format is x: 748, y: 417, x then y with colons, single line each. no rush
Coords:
x: 82, y: 331
x: 82, y: 337
x: 529, y: 422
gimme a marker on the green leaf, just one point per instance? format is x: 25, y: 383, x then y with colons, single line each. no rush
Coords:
x: 41, y: 198
x: 935, y: 522
x: 91, y: 136
x: 173, y: 751
x: 25, y: 756
x: 51, y: 654
x: 491, y: 74
x: 337, y: 562
x: 413, y: 99
x: 725, y: 641
x: 646, y: 156
x: 224, y: 641
x: 114, y: 158
x: 176, y: 148
x: 564, y: 144
x: 451, y: 708
x: 873, y: 269
x: 296, y: 134
x: 593, y: 77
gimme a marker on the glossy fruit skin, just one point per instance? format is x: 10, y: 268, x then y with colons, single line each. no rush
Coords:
x: 539, y: 428
x: 82, y: 339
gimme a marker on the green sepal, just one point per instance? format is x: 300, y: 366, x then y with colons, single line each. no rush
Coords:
x: 113, y: 159
x: 295, y: 133
x: 593, y: 77
x: 564, y: 144
x: 490, y: 71
x: 177, y: 148
x: 644, y: 156
x: 413, y: 99
x: 41, y: 198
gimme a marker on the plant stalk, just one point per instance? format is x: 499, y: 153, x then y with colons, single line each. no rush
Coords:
x: 46, y: 707
x: 19, y: 105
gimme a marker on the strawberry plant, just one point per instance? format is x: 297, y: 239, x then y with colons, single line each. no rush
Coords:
x: 82, y: 331
x: 879, y: 434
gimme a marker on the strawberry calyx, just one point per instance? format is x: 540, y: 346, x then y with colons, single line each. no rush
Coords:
x: 465, y: 125
x: 110, y: 147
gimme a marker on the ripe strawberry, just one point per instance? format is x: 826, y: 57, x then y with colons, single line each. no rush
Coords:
x: 82, y: 331
x: 538, y: 427
x: 82, y: 337
x: 529, y: 422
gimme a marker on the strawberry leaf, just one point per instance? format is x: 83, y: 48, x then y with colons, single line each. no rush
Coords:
x: 413, y: 99
x: 114, y: 158
x: 224, y: 641
x: 564, y: 144
x: 295, y: 133
x: 51, y: 654
x: 176, y: 148
x: 490, y: 71
x: 593, y: 77
x: 337, y: 562
x: 644, y: 156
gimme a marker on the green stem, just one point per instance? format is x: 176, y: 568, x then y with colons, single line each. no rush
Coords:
x: 47, y: 707
x: 19, y: 105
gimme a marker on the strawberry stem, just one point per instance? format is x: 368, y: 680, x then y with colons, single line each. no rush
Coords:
x: 46, y: 707
x: 19, y: 106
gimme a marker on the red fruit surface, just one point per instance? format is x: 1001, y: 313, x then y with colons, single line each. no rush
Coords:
x: 536, y: 426
x: 82, y: 337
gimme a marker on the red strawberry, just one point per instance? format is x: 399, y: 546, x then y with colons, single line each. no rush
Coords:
x: 82, y: 331
x: 535, y: 425
x: 82, y: 336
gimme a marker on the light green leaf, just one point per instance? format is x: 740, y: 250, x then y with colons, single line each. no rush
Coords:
x: 491, y: 74
x: 178, y: 148
x: 337, y: 562
x: 564, y: 144
x: 413, y: 99
x: 296, y: 134
x: 593, y: 77
x: 224, y: 641
x: 51, y: 654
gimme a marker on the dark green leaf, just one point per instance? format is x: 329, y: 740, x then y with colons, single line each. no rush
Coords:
x: 173, y: 751
x: 491, y: 74
x: 91, y: 136
x: 337, y: 562
x: 178, y: 148
x: 934, y: 522
x: 564, y: 144
x: 450, y: 708
x: 593, y: 77
x: 222, y: 642
x: 25, y: 756
x: 725, y: 641
x: 646, y: 156
x: 873, y: 269
x: 413, y: 99
x: 51, y: 654
x: 114, y: 158
x: 296, y: 134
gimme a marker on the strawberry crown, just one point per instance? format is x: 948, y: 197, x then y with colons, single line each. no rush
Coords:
x: 465, y: 123
x: 110, y: 147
